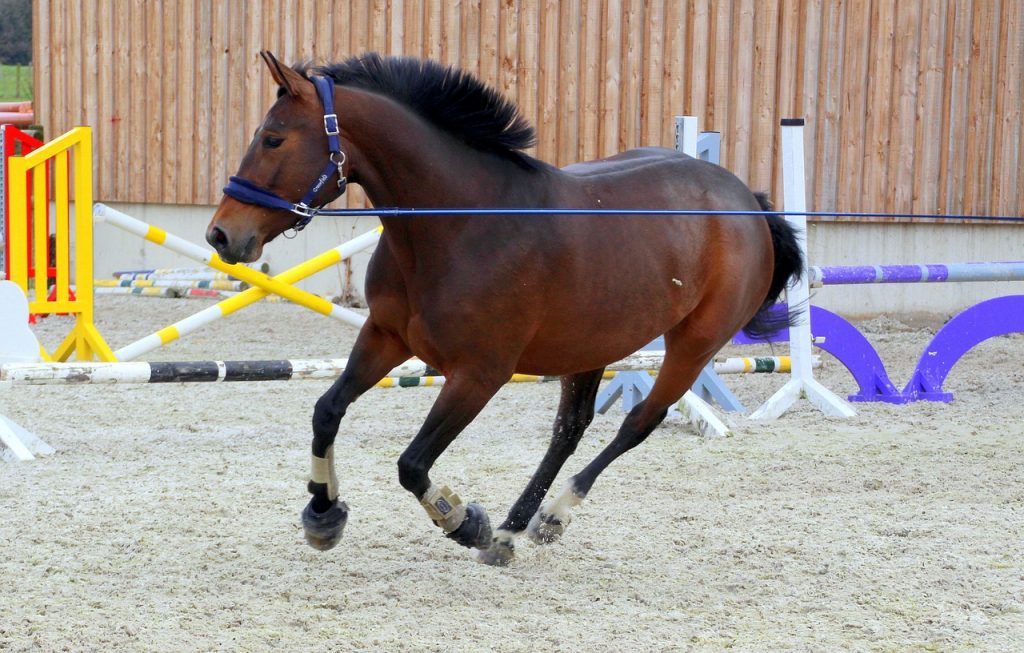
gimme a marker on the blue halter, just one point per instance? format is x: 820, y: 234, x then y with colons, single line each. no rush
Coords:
x: 245, y: 191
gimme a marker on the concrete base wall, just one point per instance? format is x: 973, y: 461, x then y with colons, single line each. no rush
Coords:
x: 829, y: 244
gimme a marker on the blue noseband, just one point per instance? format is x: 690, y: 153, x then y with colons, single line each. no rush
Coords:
x: 245, y: 191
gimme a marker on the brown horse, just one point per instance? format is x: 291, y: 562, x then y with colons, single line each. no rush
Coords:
x: 480, y: 298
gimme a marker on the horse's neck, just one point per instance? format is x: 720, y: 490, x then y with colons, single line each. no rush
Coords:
x: 401, y: 160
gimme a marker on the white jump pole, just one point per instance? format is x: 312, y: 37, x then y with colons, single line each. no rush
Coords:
x: 802, y: 382
x: 89, y: 372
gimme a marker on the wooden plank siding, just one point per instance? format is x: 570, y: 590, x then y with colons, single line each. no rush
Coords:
x: 912, y: 106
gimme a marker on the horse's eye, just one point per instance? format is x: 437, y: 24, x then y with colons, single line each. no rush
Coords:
x: 270, y: 142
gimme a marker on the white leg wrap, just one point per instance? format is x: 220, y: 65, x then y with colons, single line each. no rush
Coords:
x: 561, y: 506
x: 505, y: 538
x: 323, y: 473
x: 444, y: 507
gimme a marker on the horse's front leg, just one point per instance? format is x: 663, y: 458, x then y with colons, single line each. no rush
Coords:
x: 375, y: 353
x: 461, y: 399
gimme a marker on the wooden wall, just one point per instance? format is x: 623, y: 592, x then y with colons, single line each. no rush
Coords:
x: 913, y: 106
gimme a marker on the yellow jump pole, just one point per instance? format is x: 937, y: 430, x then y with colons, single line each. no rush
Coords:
x: 247, y: 297
x: 158, y: 236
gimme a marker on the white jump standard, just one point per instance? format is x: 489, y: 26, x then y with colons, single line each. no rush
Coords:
x: 802, y: 383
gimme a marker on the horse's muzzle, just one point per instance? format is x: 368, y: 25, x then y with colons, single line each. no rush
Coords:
x: 232, y: 250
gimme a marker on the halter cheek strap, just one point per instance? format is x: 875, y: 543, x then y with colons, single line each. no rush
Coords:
x: 245, y: 191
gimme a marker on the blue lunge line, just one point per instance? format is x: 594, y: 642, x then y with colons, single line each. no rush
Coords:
x: 395, y: 212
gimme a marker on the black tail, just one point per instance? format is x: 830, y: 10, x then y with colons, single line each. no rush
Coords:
x: 789, y: 262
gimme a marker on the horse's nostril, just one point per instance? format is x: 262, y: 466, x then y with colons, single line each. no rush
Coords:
x: 217, y: 238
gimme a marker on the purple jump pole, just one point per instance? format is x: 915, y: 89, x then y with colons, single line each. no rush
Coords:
x: 834, y: 275
x: 990, y: 318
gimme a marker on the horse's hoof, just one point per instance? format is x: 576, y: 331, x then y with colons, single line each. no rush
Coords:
x: 475, y: 530
x: 545, y: 528
x: 323, y: 529
x: 500, y: 553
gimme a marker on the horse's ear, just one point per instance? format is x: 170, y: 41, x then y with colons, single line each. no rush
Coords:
x: 285, y: 77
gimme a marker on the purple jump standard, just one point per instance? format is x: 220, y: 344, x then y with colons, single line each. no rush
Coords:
x: 987, y: 319
x: 832, y: 333
x: 838, y: 337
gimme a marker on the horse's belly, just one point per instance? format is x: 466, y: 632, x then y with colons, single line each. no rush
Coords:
x: 585, y: 339
x: 598, y: 318
x: 548, y: 362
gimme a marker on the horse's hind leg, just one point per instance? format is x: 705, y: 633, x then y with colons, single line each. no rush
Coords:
x: 575, y: 412
x: 374, y: 355
x: 682, y: 364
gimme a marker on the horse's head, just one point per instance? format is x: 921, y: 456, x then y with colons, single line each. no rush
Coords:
x: 294, y: 163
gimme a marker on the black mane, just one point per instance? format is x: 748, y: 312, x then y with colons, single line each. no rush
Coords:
x: 449, y: 98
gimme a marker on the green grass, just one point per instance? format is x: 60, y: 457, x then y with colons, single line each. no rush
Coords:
x: 12, y: 88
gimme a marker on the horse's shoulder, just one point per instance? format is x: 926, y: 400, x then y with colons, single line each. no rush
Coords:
x: 383, y: 271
